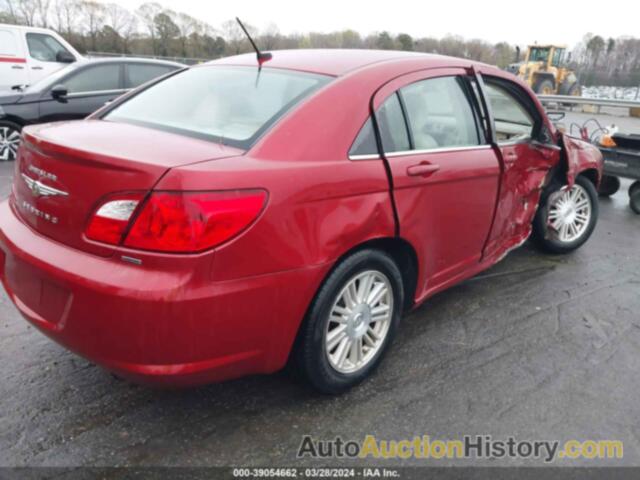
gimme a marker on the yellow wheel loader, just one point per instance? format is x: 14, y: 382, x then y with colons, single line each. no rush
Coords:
x: 545, y: 72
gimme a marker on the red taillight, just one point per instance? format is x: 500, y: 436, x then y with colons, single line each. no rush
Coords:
x: 109, y: 222
x: 193, y: 221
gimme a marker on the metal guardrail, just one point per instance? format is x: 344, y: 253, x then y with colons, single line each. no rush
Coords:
x: 597, y: 102
x: 185, y: 60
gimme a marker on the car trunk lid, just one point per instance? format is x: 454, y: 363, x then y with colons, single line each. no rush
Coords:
x: 65, y: 170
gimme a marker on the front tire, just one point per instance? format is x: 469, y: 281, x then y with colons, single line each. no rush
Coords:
x: 544, y: 86
x: 351, y: 322
x: 9, y: 140
x: 566, y: 218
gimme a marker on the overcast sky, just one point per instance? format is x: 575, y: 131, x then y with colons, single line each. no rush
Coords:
x: 515, y: 21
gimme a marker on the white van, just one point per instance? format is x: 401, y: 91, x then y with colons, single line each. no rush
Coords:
x: 28, y: 54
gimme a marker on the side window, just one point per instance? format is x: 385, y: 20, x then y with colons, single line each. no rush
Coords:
x: 44, y: 47
x: 512, y: 121
x: 8, y: 44
x: 137, y: 74
x: 393, y: 128
x: 439, y: 114
x: 95, y: 79
x: 365, y: 143
x: 393, y: 131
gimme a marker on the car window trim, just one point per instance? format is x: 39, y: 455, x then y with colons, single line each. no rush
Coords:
x: 365, y: 156
x: 97, y: 92
x: 422, y: 151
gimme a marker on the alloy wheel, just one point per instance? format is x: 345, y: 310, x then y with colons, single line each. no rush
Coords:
x: 9, y: 143
x: 570, y: 214
x: 359, y: 321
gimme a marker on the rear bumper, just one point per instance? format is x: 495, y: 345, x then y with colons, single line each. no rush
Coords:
x: 169, y: 328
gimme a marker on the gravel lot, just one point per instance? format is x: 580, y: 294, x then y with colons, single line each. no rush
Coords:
x: 539, y: 347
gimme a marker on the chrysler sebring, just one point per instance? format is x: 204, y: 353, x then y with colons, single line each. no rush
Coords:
x: 229, y: 219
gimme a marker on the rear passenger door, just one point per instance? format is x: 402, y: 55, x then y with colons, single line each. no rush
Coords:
x: 445, y: 173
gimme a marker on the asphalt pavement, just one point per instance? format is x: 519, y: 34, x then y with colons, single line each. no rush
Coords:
x: 538, y: 347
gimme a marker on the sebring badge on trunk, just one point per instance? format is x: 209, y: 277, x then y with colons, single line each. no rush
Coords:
x: 27, y: 207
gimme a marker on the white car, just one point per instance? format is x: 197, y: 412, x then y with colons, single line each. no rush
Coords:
x: 28, y: 54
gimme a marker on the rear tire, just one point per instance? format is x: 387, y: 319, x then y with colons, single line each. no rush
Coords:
x: 609, y: 185
x: 566, y: 220
x: 340, y: 342
x: 634, y: 202
x: 9, y: 140
x: 634, y: 187
x: 575, y: 90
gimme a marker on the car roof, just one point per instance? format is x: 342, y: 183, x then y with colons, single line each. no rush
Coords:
x: 150, y: 61
x: 26, y: 27
x: 337, y: 62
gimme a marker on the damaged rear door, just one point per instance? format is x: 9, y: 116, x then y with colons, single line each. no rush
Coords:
x: 522, y: 138
x: 445, y: 175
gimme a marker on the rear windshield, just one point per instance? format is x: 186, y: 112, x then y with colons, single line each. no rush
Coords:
x: 229, y: 105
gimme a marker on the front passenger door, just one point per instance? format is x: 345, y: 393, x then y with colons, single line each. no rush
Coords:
x: 517, y: 126
x: 89, y: 89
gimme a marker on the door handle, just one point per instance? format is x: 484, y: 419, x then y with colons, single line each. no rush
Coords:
x: 422, y: 169
x: 17, y: 67
x: 36, y: 68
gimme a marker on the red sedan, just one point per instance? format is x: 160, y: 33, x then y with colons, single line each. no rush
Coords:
x: 228, y: 219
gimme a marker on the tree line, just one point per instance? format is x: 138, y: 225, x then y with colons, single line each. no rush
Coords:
x: 154, y: 30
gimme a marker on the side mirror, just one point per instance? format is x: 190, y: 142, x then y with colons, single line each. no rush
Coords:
x: 64, y: 57
x: 60, y: 92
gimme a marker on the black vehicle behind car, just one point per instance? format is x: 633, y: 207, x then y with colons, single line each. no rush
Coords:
x: 72, y: 93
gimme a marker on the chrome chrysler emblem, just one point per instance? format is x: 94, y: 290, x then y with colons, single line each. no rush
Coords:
x: 39, y: 189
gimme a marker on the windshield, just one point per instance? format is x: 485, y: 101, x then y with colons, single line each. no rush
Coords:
x: 229, y: 105
x: 539, y: 55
